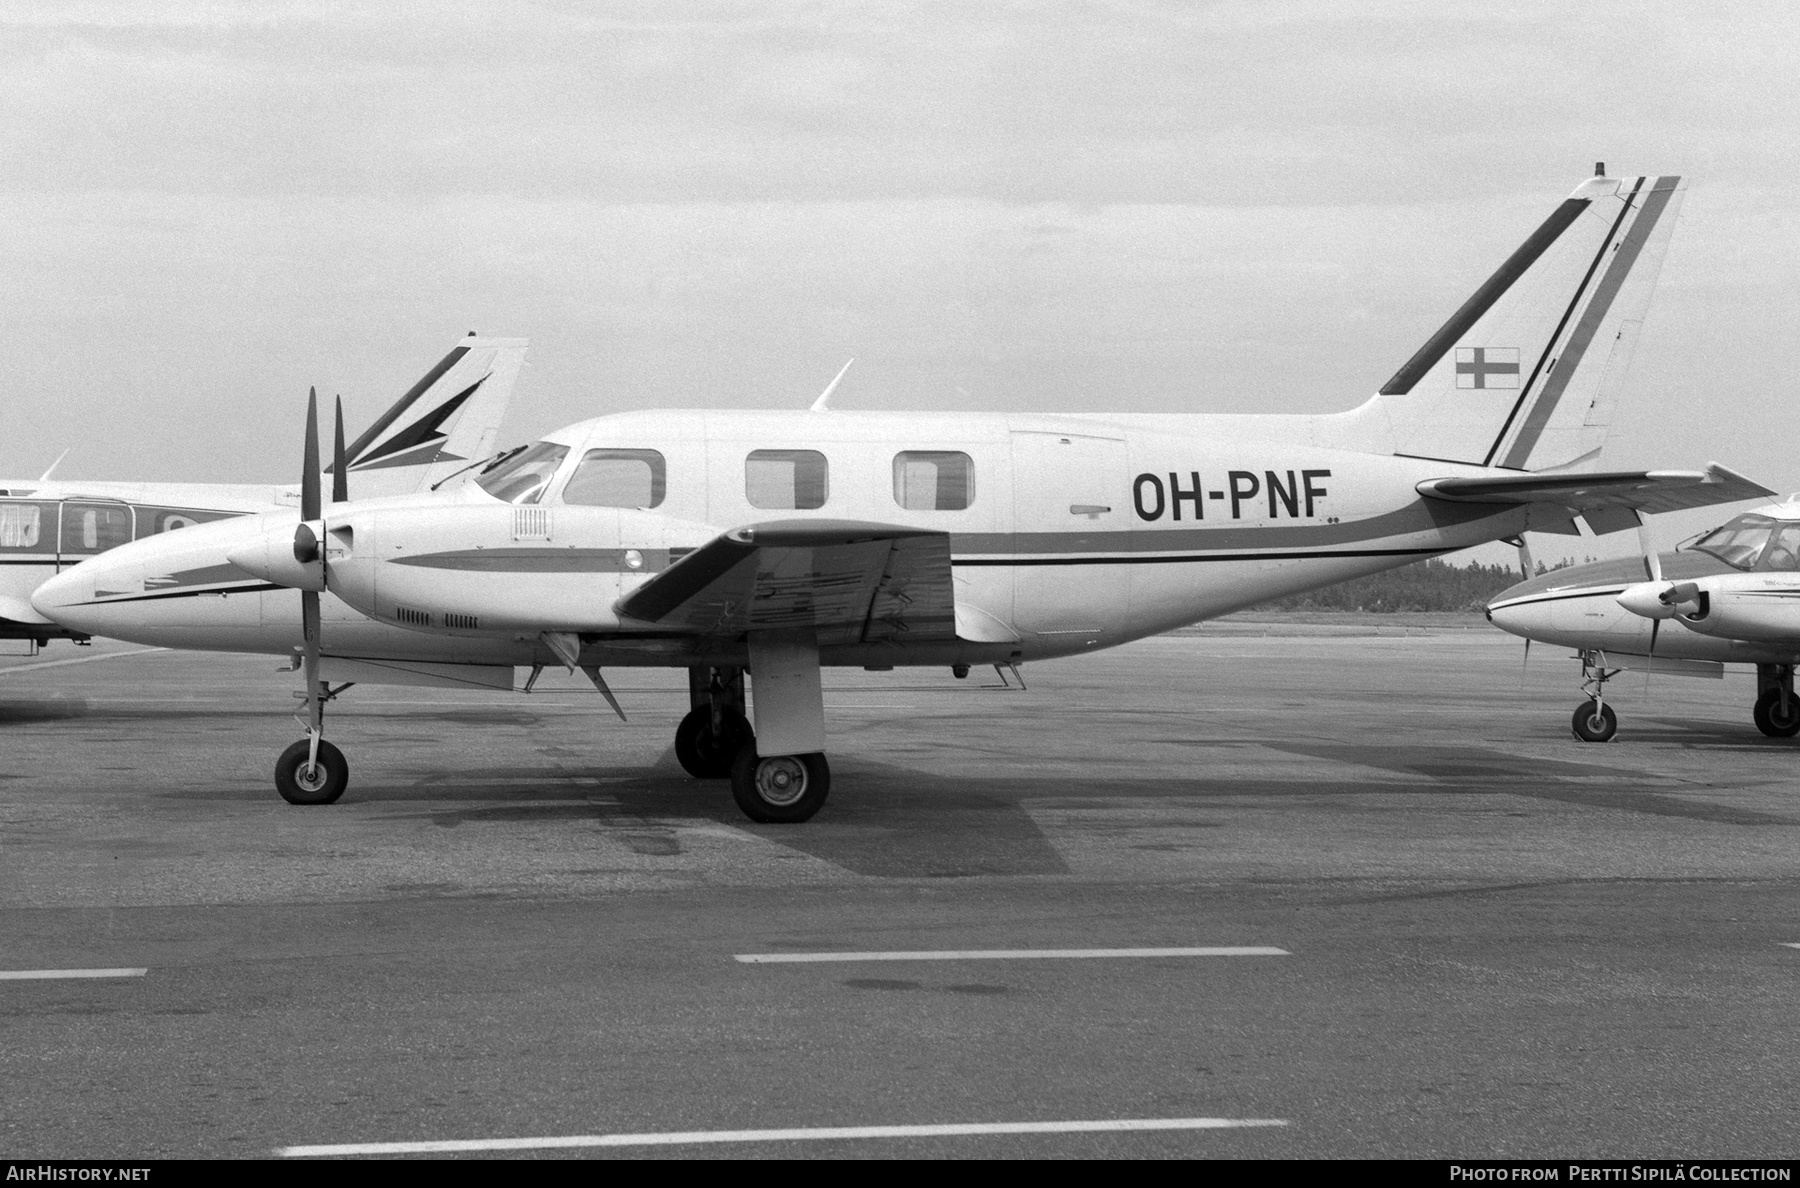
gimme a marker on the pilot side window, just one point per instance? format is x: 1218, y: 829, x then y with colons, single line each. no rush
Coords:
x: 934, y: 480
x: 617, y: 478
x: 523, y: 477
x: 784, y: 479
x: 95, y: 527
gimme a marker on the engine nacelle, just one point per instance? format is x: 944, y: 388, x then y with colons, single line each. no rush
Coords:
x: 1759, y: 608
x: 488, y: 569
x: 286, y: 555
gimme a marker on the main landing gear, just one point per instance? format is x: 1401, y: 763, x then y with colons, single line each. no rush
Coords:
x: 789, y: 783
x: 1777, y: 710
x: 708, y: 740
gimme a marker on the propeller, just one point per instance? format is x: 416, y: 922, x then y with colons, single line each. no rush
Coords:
x: 307, y: 549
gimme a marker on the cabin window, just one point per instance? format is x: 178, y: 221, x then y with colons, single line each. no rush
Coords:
x: 523, y: 477
x: 20, y: 525
x: 152, y: 520
x: 784, y: 479
x: 934, y: 480
x: 617, y: 478
x: 95, y: 527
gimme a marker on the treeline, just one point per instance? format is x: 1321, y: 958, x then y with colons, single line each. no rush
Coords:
x: 1432, y: 586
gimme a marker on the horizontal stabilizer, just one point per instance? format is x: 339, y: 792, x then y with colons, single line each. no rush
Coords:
x: 1606, y: 498
x: 852, y: 582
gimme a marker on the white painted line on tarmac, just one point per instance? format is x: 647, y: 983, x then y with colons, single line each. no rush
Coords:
x: 796, y: 1134
x: 1790, y: 944
x: 79, y: 660
x: 1010, y: 954
x: 35, y: 975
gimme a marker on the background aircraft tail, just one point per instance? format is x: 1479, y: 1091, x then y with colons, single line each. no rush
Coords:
x: 447, y: 420
x: 1527, y: 373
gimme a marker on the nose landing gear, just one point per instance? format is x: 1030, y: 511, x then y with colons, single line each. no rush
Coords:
x: 312, y: 771
x: 1594, y: 720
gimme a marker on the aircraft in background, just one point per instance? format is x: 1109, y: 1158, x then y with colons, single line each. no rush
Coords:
x: 450, y: 417
x: 774, y: 543
x: 1729, y: 596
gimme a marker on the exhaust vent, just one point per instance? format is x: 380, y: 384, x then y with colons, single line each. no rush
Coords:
x: 531, y: 523
x: 411, y: 617
x: 465, y: 622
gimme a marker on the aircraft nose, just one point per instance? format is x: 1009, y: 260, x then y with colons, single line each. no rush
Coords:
x: 67, y: 598
x: 1528, y: 619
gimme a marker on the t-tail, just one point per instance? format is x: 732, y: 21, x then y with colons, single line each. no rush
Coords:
x: 447, y: 420
x: 1527, y: 374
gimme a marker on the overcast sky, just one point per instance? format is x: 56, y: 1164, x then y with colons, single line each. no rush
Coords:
x: 205, y: 207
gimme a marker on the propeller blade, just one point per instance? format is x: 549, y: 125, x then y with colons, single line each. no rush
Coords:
x: 309, y: 465
x: 340, y: 474
x: 1525, y: 663
x: 1525, y: 566
x: 1652, y: 562
x: 1655, y: 626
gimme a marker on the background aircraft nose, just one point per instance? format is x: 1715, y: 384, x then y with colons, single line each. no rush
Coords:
x: 1521, y: 618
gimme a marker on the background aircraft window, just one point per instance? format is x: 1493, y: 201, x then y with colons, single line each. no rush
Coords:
x: 617, y: 478
x: 21, y: 526
x: 934, y: 480
x: 95, y: 527
x: 522, y: 478
x: 1740, y: 542
x: 151, y: 520
x: 785, y: 479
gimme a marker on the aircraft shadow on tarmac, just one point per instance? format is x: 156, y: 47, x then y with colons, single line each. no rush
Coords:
x: 1593, y: 785
x: 41, y: 709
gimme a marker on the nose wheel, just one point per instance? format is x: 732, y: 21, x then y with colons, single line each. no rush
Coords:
x: 1594, y: 721
x: 302, y: 778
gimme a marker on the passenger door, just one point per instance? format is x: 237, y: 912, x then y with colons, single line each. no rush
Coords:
x: 1069, y: 495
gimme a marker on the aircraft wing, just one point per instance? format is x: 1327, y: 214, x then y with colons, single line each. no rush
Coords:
x: 1608, y: 500
x: 853, y: 582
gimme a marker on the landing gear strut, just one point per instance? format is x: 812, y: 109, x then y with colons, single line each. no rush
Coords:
x: 312, y: 771
x: 708, y: 740
x: 1594, y: 720
x: 1777, y: 709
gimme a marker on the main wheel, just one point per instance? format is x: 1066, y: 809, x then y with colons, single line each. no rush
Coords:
x: 1769, y: 718
x: 707, y: 756
x: 1594, y: 722
x: 299, y: 784
x: 779, y: 789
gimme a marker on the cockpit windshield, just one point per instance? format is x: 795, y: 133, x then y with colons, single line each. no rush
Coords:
x: 1754, y: 542
x: 523, y: 477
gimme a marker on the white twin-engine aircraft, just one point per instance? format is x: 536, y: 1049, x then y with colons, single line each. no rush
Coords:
x: 774, y: 543
x: 446, y: 420
x: 1729, y: 596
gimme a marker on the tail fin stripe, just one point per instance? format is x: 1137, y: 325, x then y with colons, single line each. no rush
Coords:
x: 1623, y: 259
x: 1587, y: 278
x: 1484, y: 297
x: 425, y: 429
x: 405, y: 402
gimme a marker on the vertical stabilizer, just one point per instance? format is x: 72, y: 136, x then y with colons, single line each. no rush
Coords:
x: 1526, y: 375
x: 448, y: 419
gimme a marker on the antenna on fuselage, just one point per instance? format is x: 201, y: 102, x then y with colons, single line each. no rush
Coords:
x: 45, y: 477
x: 825, y: 396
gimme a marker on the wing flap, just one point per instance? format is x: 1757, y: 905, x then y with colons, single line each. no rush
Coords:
x: 852, y: 582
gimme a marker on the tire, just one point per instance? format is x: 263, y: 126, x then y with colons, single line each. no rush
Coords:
x: 702, y: 755
x: 1769, y: 718
x: 1590, y: 726
x: 779, y: 789
x: 321, y: 787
